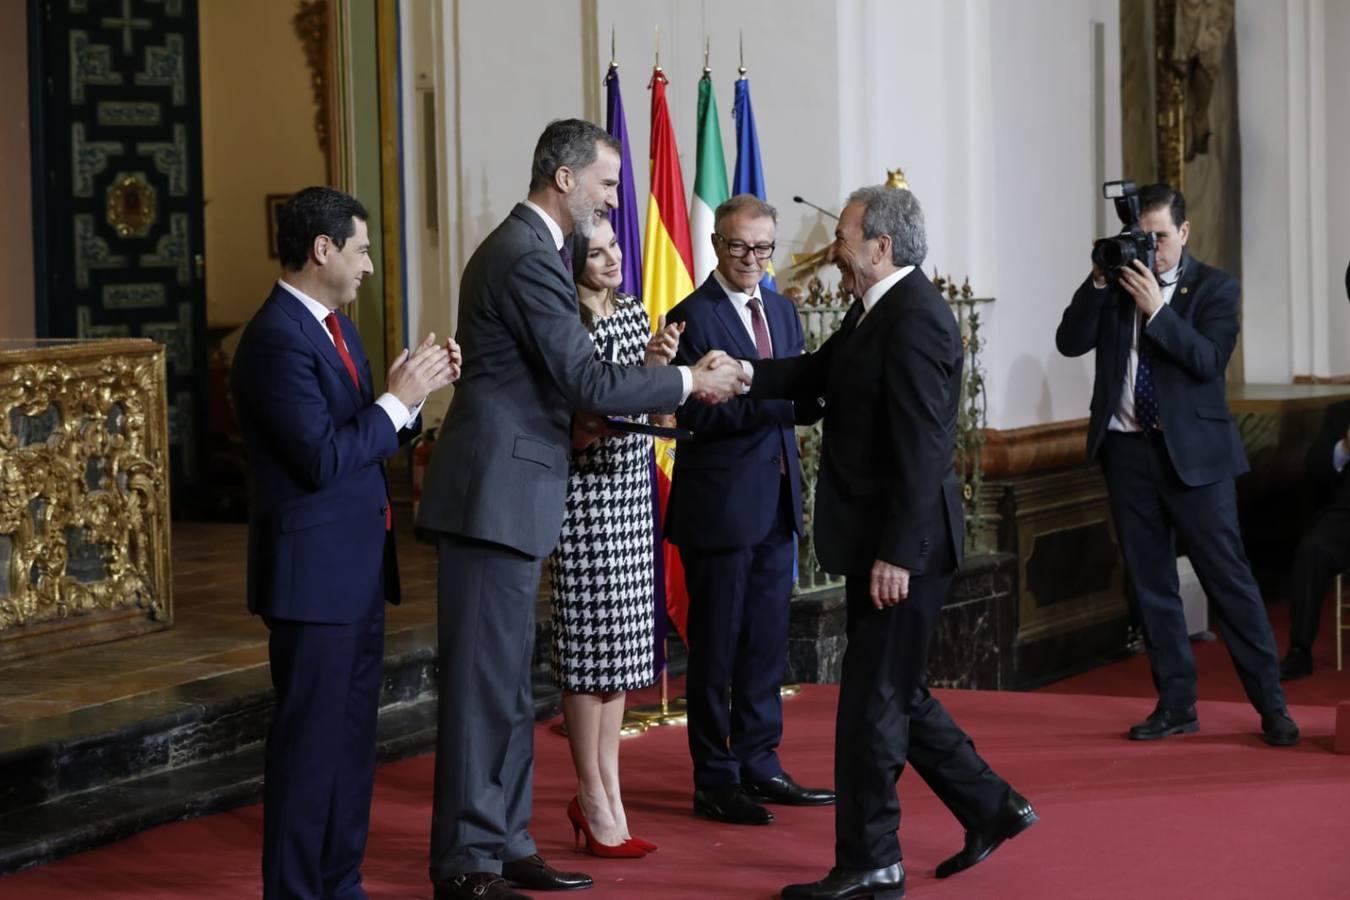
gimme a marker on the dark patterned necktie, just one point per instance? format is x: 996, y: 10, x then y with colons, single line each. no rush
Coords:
x: 761, y: 329
x: 565, y: 251
x: 1145, y: 395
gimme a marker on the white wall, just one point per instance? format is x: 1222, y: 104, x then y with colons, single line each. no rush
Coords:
x: 1293, y: 78
x: 987, y: 105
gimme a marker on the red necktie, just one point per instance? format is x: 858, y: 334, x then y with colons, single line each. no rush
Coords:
x: 335, y: 329
x: 763, y: 345
x: 761, y: 329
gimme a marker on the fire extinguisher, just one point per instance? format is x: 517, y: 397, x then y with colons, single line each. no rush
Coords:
x: 422, y: 445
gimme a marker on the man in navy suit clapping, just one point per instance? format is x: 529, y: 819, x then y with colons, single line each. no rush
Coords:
x: 321, y: 560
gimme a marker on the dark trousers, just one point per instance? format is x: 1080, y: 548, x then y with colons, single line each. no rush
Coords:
x: 486, y: 596
x: 319, y: 769
x: 1323, y: 553
x: 1152, y: 508
x: 887, y: 717
x: 738, y: 628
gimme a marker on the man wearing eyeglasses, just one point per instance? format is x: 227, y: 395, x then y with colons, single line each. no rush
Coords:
x: 735, y: 513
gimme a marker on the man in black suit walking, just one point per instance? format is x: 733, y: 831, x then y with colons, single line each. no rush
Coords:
x: 495, y: 495
x: 888, y: 517
x: 1167, y: 443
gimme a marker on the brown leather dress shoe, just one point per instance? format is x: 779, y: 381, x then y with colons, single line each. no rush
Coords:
x: 476, y: 886
x: 533, y: 874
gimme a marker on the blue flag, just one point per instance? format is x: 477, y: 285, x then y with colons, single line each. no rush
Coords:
x: 749, y: 177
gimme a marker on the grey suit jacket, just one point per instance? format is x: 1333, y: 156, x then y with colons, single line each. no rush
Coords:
x: 499, y: 472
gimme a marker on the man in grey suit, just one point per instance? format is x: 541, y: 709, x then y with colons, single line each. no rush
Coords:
x: 495, y: 496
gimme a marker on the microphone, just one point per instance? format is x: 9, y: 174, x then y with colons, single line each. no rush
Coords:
x: 818, y: 209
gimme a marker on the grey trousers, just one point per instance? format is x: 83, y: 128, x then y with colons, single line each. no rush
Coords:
x: 486, y: 595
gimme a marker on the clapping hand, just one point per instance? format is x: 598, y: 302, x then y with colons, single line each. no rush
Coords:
x: 429, y: 367
x: 663, y: 344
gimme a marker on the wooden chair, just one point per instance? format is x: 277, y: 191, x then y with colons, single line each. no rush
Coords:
x: 1342, y: 619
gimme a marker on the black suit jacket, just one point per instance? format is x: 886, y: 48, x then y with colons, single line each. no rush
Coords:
x: 725, y: 487
x: 892, y: 384
x: 1192, y: 338
x: 317, y: 546
x: 1329, y: 488
x: 499, y: 471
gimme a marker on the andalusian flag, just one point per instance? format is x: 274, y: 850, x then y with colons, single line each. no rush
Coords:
x: 710, y: 181
x: 667, y: 278
x: 749, y: 170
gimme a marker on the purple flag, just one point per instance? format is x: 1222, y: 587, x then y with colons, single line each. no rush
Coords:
x: 625, y: 218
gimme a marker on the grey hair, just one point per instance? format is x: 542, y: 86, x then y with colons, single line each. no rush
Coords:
x: 567, y: 142
x: 895, y: 212
x: 743, y: 203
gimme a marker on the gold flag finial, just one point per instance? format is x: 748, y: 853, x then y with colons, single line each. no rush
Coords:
x: 707, y: 45
x: 742, y: 69
x: 895, y: 178
x: 657, y: 67
x: 613, y: 50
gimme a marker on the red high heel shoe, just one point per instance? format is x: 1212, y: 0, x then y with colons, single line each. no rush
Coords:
x: 645, y: 846
x: 580, y: 826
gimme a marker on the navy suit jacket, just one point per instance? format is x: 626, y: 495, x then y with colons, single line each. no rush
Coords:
x: 317, y: 545
x: 1191, y: 338
x: 725, y: 487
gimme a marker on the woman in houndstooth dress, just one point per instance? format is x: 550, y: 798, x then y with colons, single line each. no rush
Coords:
x: 603, y: 565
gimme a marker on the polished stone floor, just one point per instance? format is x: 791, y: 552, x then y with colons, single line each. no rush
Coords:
x: 213, y: 633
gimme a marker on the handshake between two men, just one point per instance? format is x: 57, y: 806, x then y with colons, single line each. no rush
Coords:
x: 718, y: 377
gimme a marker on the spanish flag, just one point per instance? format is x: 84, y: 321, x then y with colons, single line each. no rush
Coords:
x: 667, y: 267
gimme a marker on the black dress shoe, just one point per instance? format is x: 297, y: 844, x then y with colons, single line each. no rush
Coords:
x: 1297, y: 663
x: 1163, y: 722
x: 841, y: 884
x: 1015, y: 817
x: 1279, y: 729
x: 476, y: 886
x: 533, y: 874
x: 732, y: 805
x: 784, y: 790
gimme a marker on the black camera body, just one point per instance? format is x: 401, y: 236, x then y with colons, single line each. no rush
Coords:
x: 1111, y: 254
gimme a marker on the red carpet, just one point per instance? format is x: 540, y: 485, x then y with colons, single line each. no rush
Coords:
x: 1216, y: 814
x: 1217, y: 680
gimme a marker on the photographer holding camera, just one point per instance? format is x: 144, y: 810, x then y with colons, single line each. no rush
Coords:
x: 1163, y: 325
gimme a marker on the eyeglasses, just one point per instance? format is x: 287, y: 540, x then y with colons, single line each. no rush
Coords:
x: 741, y: 248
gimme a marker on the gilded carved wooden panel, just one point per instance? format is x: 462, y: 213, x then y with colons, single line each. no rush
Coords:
x: 84, y: 492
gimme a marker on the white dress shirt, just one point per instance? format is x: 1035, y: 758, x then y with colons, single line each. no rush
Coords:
x: 554, y: 229
x: 399, y: 415
x: 1338, y: 456
x: 1124, y: 420
x: 740, y: 301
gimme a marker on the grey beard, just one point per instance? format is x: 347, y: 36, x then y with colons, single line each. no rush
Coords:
x: 583, y: 219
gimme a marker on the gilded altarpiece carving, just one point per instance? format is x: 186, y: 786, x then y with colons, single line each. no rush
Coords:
x: 84, y: 494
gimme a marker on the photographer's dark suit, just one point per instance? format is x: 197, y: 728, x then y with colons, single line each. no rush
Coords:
x: 735, y: 511
x: 887, y: 491
x: 1177, y: 482
x: 1324, y: 550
